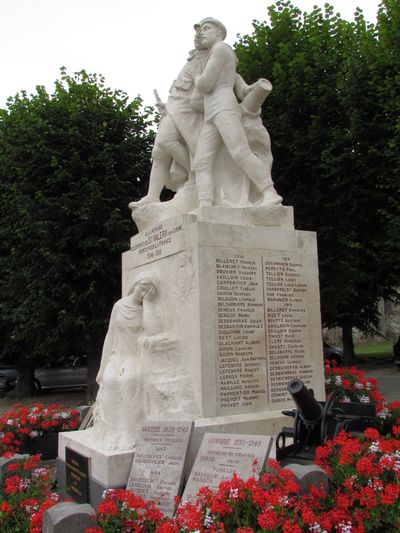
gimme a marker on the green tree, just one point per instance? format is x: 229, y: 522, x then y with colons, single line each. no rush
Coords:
x: 334, y: 139
x: 70, y: 162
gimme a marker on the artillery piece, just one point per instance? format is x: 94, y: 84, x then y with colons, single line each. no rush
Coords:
x: 317, y: 421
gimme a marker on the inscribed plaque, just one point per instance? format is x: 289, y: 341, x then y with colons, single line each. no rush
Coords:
x: 287, y: 311
x: 221, y: 455
x: 155, y: 242
x: 77, y: 475
x: 157, y: 466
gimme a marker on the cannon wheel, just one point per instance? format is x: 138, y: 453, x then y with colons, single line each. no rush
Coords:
x: 326, y: 416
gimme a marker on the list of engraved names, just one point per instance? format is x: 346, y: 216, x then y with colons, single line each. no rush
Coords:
x: 261, y: 328
x: 286, y: 323
x: 241, y: 363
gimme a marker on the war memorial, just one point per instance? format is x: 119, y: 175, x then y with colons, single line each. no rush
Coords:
x: 220, y: 299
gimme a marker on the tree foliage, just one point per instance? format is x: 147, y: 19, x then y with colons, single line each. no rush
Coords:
x: 70, y: 162
x: 333, y: 117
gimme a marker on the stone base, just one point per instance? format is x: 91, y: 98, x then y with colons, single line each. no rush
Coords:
x: 185, y: 202
x: 96, y: 487
x: 267, y: 423
x: 239, y: 302
x: 277, y: 216
x: 111, y: 469
x: 236, y: 317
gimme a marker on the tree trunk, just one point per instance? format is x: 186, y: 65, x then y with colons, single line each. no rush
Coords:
x: 25, y: 382
x: 348, y: 344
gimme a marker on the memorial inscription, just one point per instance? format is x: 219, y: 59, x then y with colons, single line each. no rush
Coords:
x: 157, y: 241
x: 221, y: 455
x: 77, y: 475
x: 157, y: 467
x: 286, y: 308
x: 261, y: 331
x: 241, y: 364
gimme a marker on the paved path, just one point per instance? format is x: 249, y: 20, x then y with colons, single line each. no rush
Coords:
x: 388, y: 378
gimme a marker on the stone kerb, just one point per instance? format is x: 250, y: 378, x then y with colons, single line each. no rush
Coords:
x: 308, y: 476
x: 68, y: 517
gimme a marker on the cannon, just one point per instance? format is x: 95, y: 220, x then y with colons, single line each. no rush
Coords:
x: 317, y: 421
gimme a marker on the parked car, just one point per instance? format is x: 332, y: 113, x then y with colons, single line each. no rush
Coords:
x: 8, y: 376
x: 333, y: 353
x: 66, y: 372
x: 396, y: 353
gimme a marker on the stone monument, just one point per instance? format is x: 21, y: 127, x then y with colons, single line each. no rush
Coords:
x: 221, y: 296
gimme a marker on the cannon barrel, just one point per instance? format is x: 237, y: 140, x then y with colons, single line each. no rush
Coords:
x: 309, y: 409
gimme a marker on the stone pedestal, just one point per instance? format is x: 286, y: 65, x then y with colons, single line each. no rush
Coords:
x: 238, y: 297
x: 240, y: 289
x: 106, y: 469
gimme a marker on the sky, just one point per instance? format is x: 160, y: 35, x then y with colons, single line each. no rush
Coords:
x: 137, y: 45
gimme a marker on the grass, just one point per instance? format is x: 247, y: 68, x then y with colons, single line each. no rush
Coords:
x: 376, y: 350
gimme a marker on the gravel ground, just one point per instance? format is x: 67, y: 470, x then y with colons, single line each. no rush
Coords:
x: 71, y: 399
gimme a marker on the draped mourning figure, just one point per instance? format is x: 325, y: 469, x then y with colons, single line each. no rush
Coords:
x: 119, y: 408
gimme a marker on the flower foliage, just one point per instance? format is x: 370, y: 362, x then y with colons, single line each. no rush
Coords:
x: 364, y: 494
x: 22, y: 424
x: 364, y: 498
x: 25, y: 494
x: 365, y: 473
x: 350, y: 385
x: 122, y: 510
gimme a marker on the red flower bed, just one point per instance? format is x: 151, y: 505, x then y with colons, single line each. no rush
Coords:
x: 365, y: 474
x: 351, y: 385
x: 25, y: 494
x: 23, y: 424
x: 365, y: 497
x: 121, y: 510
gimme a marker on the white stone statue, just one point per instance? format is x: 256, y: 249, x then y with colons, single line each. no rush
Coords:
x: 119, y: 408
x: 178, y: 131
x: 223, y: 119
x: 211, y: 146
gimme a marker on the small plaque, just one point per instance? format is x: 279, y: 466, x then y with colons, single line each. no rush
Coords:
x: 157, y: 466
x: 77, y: 475
x: 159, y: 240
x: 221, y: 455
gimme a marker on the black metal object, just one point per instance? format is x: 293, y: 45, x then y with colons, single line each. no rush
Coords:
x: 317, y: 421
